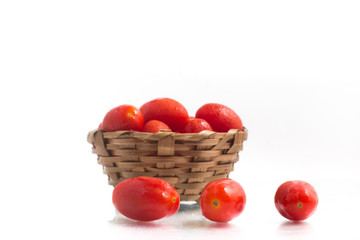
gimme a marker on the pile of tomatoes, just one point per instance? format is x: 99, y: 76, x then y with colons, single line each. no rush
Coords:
x: 148, y: 198
x: 168, y: 114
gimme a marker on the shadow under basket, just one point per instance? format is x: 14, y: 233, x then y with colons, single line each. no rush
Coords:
x: 188, y: 161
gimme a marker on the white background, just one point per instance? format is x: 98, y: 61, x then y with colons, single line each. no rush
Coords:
x: 290, y: 69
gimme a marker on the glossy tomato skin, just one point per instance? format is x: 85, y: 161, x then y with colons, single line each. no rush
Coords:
x: 154, y: 126
x: 196, y: 125
x: 296, y: 200
x: 123, y: 117
x: 222, y: 200
x: 145, y: 198
x: 166, y: 110
x: 220, y: 117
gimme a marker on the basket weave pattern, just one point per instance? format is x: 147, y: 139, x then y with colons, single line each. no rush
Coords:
x: 188, y: 161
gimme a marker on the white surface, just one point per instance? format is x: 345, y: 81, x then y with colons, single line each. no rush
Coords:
x: 289, y: 69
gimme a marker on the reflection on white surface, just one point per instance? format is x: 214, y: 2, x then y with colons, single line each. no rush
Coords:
x: 189, y: 223
x: 298, y: 229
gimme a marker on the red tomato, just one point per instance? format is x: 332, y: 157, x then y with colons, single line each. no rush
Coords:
x: 196, y: 125
x: 154, y: 126
x: 166, y: 110
x: 220, y: 117
x: 100, y: 126
x: 222, y: 200
x: 124, y: 117
x: 145, y: 198
x: 296, y: 200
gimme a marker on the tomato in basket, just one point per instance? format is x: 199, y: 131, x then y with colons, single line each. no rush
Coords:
x: 166, y: 110
x: 296, y: 200
x: 123, y: 117
x: 196, y: 125
x: 220, y: 117
x: 145, y: 198
x: 154, y: 126
x: 222, y: 200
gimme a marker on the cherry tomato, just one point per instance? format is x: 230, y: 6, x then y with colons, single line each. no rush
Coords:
x: 145, y: 198
x: 196, y: 125
x: 154, y: 126
x: 220, y: 117
x: 123, y: 117
x: 222, y: 200
x: 166, y: 110
x: 100, y: 126
x: 296, y: 200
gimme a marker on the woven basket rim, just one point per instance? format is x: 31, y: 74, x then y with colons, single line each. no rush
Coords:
x: 166, y: 132
x: 242, y: 130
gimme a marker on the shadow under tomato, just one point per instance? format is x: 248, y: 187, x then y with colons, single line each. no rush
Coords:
x: 226, y: 226
x: 209, y: 225
x: 124, y: 221
x: 295, y: 228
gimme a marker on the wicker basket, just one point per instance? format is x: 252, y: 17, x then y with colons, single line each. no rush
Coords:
x: 188, y: 161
